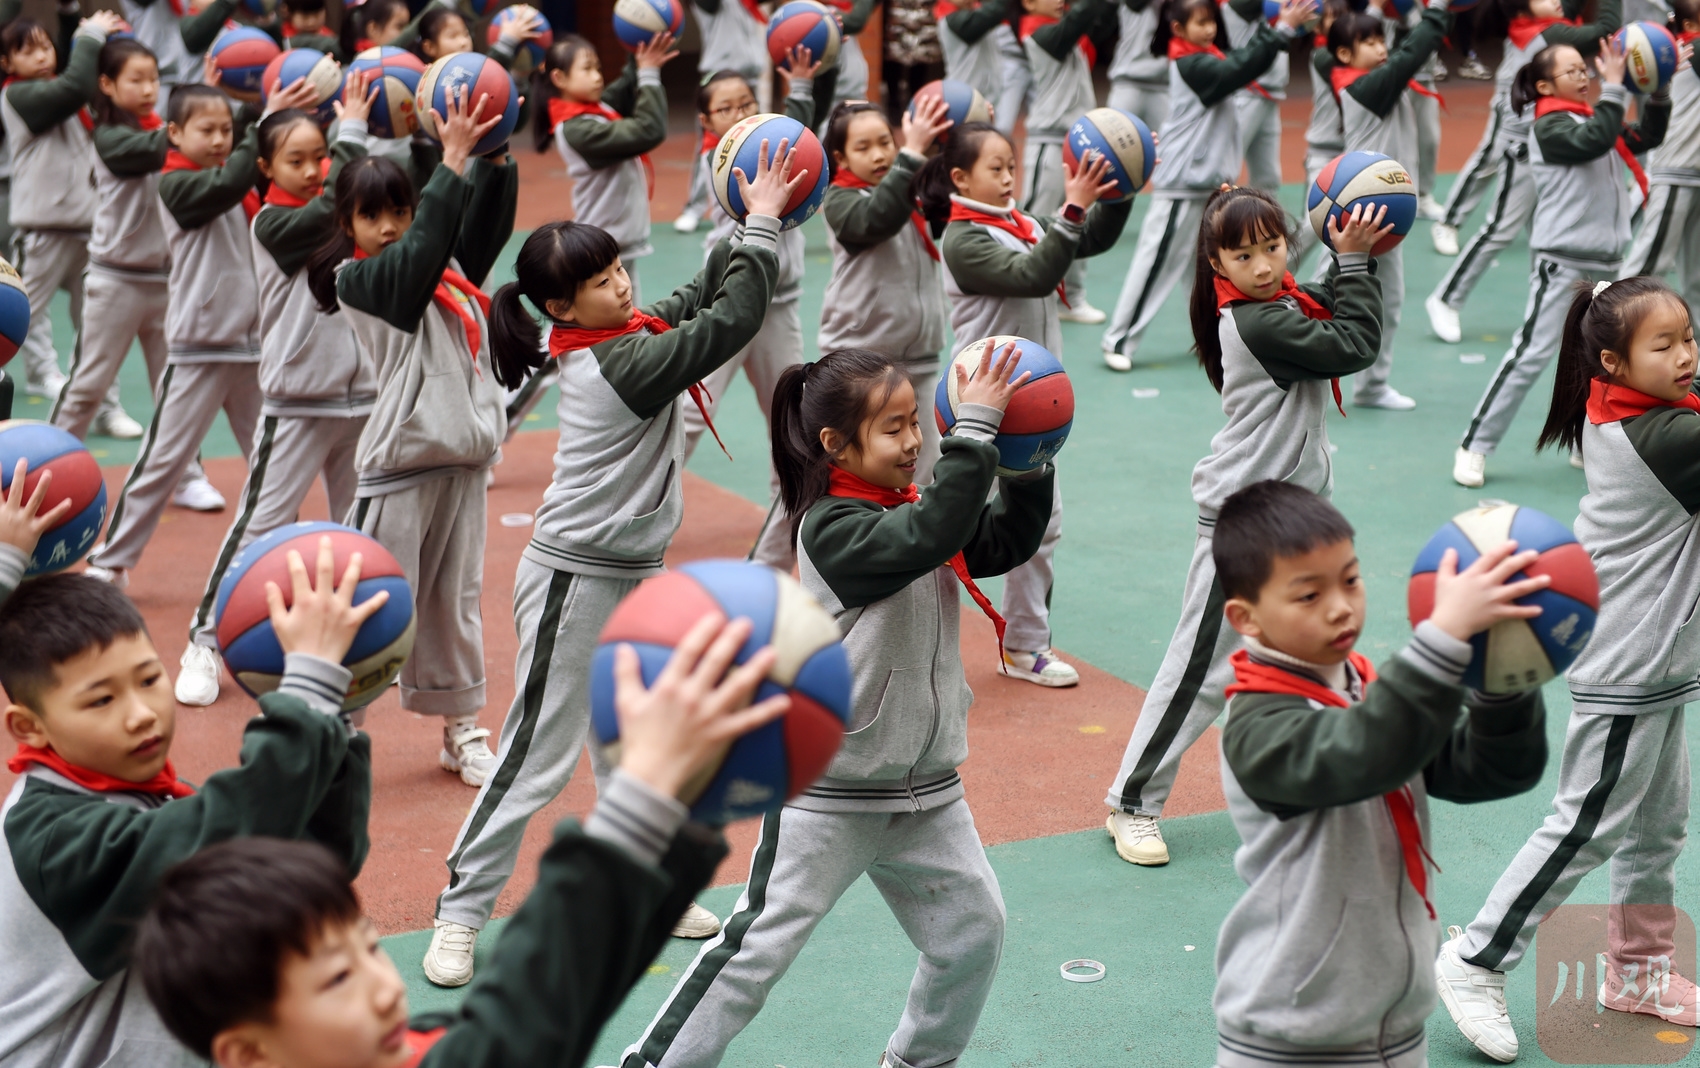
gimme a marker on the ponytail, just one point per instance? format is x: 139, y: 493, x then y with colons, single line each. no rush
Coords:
x: 933, y: 184
x: 516, y: 341
x: 836, y: 393
x: 1525, y: 84
x: 370, y: 183
x: 1232, y: 217
x: 556, y: 259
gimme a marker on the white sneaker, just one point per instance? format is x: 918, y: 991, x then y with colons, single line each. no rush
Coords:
x: 1472, y: 69
x: 1469, y: 469
x: 1388, y: 399
x: 1443, y: 319
x: 687, y: 221
x: 198, y: 495
x: 116, y: 423
x: 1115, y: 361
x: 1040, y: 666
x: 112, y: 576
x: 1667, y: 995
x: 1445, y: 238
x: 1138, y: 839
x: 1576, y: 459
x: 466, y: 753
x: 1430, y: 208
x: 197, y: 681
x: 1082, y: 313
x: 49, y: 387
x: 448, y: 961
x: 1475, y: 997
x: 697, y: 922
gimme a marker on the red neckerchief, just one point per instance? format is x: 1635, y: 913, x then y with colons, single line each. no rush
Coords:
x: 755, y: 11
x: 177, y: 161
x: 1227, y: 293
x: 164, y: 784
x: 845, y: 180
x: 845, y: 484
x: 1253, y: 677
x: 1685, y: 38
x: 445, y: 297
x: 287, y: 30
x: 150, y: 122
x: 419, y: 1043
x: 710, y: 140
x: 944, y: 9
x: 1179, y: 48
x: 361, y: 44
x: 1015, y: 223
x: 1546, y: 105
x: 564, y: 339
x: 283, y: 198
x: 1525, y: 28
x: 177, y: 8
x: 561, y: 110
x: 83, y: 115
x: 1319, y: 41
x: 1342, y: 76
x: 1609, y: 402
x: 1029, y: 23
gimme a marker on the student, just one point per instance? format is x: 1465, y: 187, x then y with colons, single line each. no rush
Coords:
x: 97, y: 813
x: 373, y: 24
x: 1623, y: 396
x: 1139, y: 80
x: 968, y: 38
x: 1324, y: 137
x: 301, y: 24
x: 1276, y: 352
x: 889, y: 561
x: 22, y: 523
x: 1017, y: 80
x: 1579, y: 155
x: 1669, y: 238
x: 1201, y: 150
x: 609, y: 513
x: 852, y: 83
x: 1004, y: 275
x: 1257, y: 107
x: 1328, y: 766
x: 178, y: 35
x: 733, y: 35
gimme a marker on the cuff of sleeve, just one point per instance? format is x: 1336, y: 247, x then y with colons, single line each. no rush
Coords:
x: 504, y: 48
x: 911, y: 157
x: 1437, y: 654
x: 1286, y: 32
x: 802, y: 88
x: 91, y: 31
x: 762, y: 231
x: 316, y: 681
x: 13, y: 563
x: 1352, y: 262
x: 1614, y: 92
x: 636, y: 817
x: 977, y: 421
x: 1075, y: 231
x: 354, y: 131
x: 649, y: 76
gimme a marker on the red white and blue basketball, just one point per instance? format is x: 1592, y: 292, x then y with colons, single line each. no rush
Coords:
x: 243, y: 621
x: 1039, y: 416
x: 1649, y: 53
x: 261, y: 9
x: 963, y: 103
x: 740, y: 149
x: 637, y: 22
x: 1119, y: 137
x: 804, y: 22
x: 1370, y: 179
x: 772, y: 763
x: 395, y: 113
x: 1517, y: 654
x: 241, y: 56
x: 315, y: 67
x: 76, y: 478
x: 478, y: 76
x: 14, y: 312
x: 1272, y: 14
x: 532, y: 51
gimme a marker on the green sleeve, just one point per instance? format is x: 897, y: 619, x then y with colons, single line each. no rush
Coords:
x: 1294, y: 348
x: 1563, y: 140
x: 1322, y: 64
x: 196, y: 198
x: 1102, y: 227
x: 1106, y: 31
x: 1215, y: 80
x: 1062, y: 36
x: 1381, y: 88
x: 11, y: 9
x: 291, y: 235
x: 1498, y: 750
x: 857, y: 17
x: 323, y: 42
x: 397, y: 284
x: 1248, y: 10
x: 982, y: 265
x: 826, y: 84
x: 1011, y: 526
x: 1652, y: 119
x: 130, y: 152
x: 862, y: 221
x: 489, y: 216
x: 1586, y: 37
x: 695, y: 295
x: 605, y: 144
x: 201, y: 29
x: 409, y: 36
x: 1668, y: 442
x: 971, y: 24
x: 69, y: 20
x: 621, y: 93
x: 424, y: 156
x: 44, y: 103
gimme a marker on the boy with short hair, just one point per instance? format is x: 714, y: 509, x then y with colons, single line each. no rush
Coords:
x: 1328, y: 956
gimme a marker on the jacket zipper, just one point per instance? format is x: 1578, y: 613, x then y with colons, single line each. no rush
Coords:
x: 933, y: 685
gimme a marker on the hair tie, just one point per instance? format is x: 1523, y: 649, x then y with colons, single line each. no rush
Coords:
x: 1601, y: 287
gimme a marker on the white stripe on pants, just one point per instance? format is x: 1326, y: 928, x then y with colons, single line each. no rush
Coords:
x: 1042, y: 170
x: 1369, y: 385
x: 1669, y: 238
x: 933, y: 874
x: 49, y: 260
x: 1260, y: 138
x: 118, y: 307
x: 1471, y: 183
x: 1168, y: 245
x: 1148, y: 100
x: 1513, y: 206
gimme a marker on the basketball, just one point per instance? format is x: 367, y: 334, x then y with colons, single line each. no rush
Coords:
x: 1370, y: 179
x: 242, y: 54
x: 1039, y: 416
x: 261, y: 9
x: 963, y: 102
x: 740, y: 149
x: 1119, y: 137
x: 807, y: 23
x: 1649, y: 52
x: 531, y: 53
x: 320, y: 71
x: 395, y: 113
x: 773, y: 763
x: 1272, y: 13
x: 14, y: 312
x: 636, y: 22
x: 76, y: 477
x: 479, y: 76
x: 1517, y: 654
x: 244, y: 625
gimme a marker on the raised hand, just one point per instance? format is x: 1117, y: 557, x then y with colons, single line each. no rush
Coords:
x: 463, y: 127
x: 1470, y: 601
x: 657, y: 51
x: 1361, y: 232
x: 322, y: 618
x: 925, y: 123
x: 1089, y: 182
x: 799, y: 63
x: 301, y: 95
x: 1611, y: 62
x: 1295, y: 13
x: 22, y: 522
x: 108, y: 22
x: 991, y: 384
x: 358, y: 95
x: 774, y: 184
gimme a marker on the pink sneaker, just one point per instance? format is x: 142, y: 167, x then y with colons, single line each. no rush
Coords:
x: 1646, y: 986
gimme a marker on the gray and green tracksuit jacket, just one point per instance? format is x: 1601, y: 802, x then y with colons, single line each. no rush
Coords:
x: 1276, y: 367
x: 885, y: 575
x: 1331, y: 948
x: 213, y: 316
x: 13, y: 563
x: 971, y: 49
x: 1132, y: 61
x: 614, y: 502
x: 1242, y: 18
x: 732, y: 39
x: 177, y: 42
x: 1062, y: 78
x: 128, y: 235
x: 1585, y: 38
x: 1376, y: 111
x: 439, y: 410
x: 1677, y: 160
x: 52, y: 152
x: 80, y: 868
x: 1201, y: 140
x: 1325, y: 136
x: 327, y: 43
x: 1582, y: 205
x: 610, y: 186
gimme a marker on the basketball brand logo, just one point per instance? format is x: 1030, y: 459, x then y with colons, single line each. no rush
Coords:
x: 1593, y: 1007
x: 1639, y: 62
x: 1392, y: 177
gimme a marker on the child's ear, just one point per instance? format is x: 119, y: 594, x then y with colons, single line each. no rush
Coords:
x: 264, y: 166
x: 560, y: 310
x: 173, y: 132
x: 240, y: 1047
x: 1241, y: 615
x: 1614, y: 364
x: 558, y: 79
x: 831, y: 441
x: 959, y: 178
x: 1343, y: 56
x: 26, y: 726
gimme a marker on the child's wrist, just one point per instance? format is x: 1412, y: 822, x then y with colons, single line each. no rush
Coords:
x: 649, y: 76
x: 636, y: 817
x: 320, y: 682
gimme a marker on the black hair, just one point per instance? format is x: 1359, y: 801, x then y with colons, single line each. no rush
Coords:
x: 559, y: 56
x: 1269, y: 521
x: 292, y: 7
x: 1350, y: 28
x: 186, y: 100
x: 1594, y: 324
x: 705, y: 91
x: 1683, y: 11
x: 933, y: 183
x: 1181, y: 11
x: 17, y: 35
x: 1524, y: 87
x: 55, y: 618
x: 431, y: 25
x: 370, y: 183
x: 838, y: 392
x: 1330, y: 14
x: 838, y: 129
x: 1232, y: 217
x: 212, y: 945
x: 274, y: 128
x: 356, y: 20
x: 114, y: 54
x: 555, y: 260
x: 1511, y: 9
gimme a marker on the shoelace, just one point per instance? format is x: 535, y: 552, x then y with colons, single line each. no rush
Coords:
x: 458, y: 941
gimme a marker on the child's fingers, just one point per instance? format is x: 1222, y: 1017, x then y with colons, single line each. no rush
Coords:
x: 736, y: 689
x: 628, y: 675
x: 350, y: 576
x: 298, y: 581
x: 15, y: 495
x: 326, y: 567
x: 1514, y: 591
x: 1448, y: 566
x: 1502, y: 571
x: 1021, y: 379
x: 275, y: 605
x: 724, y: 649
x: 739, y: 723
x: 363, y: 611
x: 52, y: 517
x: 690, y: 649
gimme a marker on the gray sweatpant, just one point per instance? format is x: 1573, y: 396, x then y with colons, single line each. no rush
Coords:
x: 1304, y: 238
x: 1390, y: 271
x: 1669, y: 238
x: 1428, y: 136
x: 1471, y: 184
x: 49, y: 260
x: 1148, y: 100
x: 1622, y: 796
x: 1513, y: 206
x: 436, y: 532
x: 1042, y: 166
x: 118, y: 307
x: 1027, y: 589
x: 932, y: 871
x: 1164, y: 257
x: 1260, y: 138
x: 559, y: 616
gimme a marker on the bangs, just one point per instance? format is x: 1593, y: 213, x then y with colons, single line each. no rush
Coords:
x: 373, y: 184
x: 1250, y: 220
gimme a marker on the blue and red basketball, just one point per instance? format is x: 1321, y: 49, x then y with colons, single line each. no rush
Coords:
x: 637, y: 22
x: 261, y: 9
x: 1370, y: 179
x: 14, y: 312
x: 532, y: 51
x: 241, y: 55
x: 1119, y: 137
x: 315, y: 67
x: 243, y: 621
x: 740, y: 149
x: 478, y: 76
x: 1039, y: 416
x: 1272, y: 13
x: 1649, y: 53
x: 804, y: 22
x: 1517, y: 654
x: 963, y: 103
x: 772, y: 763
x: 76, y: 478
x: 395, y: 112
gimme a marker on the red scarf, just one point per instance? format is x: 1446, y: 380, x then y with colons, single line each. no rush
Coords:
x: 1015, y: 223
x: 1525, y: 28
x: 164, y: 784
x: 844, y: 179
x: 177, y: 161
x: 710, y: 140
x: 755, y: 11
x: 419, y: 1043
x: 283, y: 198
x: 1227, y: 293
x: 1546, y: 105
x: 1342, y: 76
x: 845, y: 484
x: 361, y: 44
x: 944, y: 9
x: 446, y: 298
x: 1030, y: 23
x: 1252, y: 677
x: 1609, y: 402
x: 150, y: 122
x: 564, y: 339
x: 83, y: 114
x: 562, y: 110
x: 1180, y: 48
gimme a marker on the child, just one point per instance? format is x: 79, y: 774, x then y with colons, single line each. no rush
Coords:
x: 852, y: 69
x: 1139, y: 80
x: 1017, y: 80
x: 968, y: 37
x: 1623, y: 395
x: 373, y: 24
x: 1669, y: 238
x: 97, y: 812
x: 733, y: 37
x: 1328, y: 766
x: 608, y: 515
x: 1257, y: 107
x: 303, y: 26
x: 1004, y: 275
x: 1276, y: 352
x: 1201, y: 150
x: 889, y: 561
x: 1324, y: 137
x: 1579, y: 155
x: 178, y: 35
x: 22, y: 523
